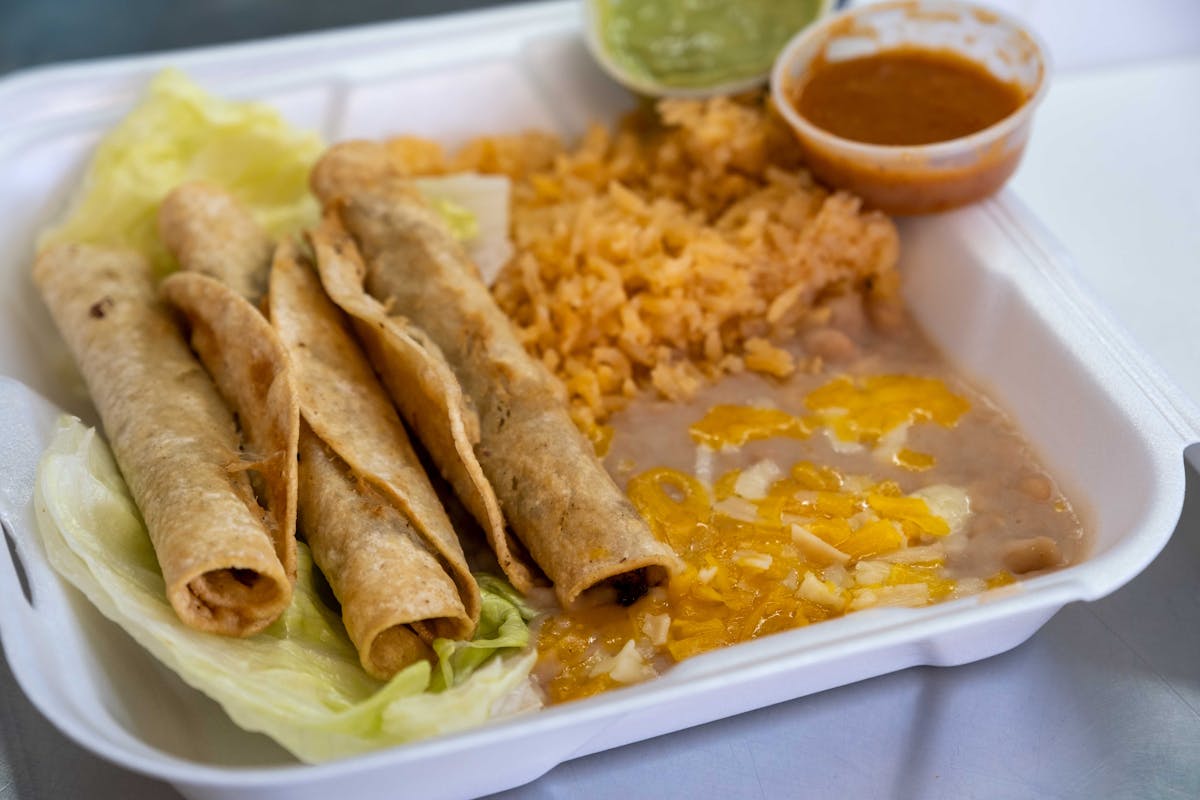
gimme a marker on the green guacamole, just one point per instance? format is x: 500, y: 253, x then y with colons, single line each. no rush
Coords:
x: 700, y: 43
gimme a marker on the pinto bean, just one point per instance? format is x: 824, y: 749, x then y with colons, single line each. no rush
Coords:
x: 1037, y: 487
x: 830, y: 344
x: 1031, y: 555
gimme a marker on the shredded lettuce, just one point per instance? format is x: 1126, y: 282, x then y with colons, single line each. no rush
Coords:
x: 179, y: 133
x: 502, y: 625
x: 299, y: 681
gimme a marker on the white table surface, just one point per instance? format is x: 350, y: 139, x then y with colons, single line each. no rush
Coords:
x: 1104, y: 701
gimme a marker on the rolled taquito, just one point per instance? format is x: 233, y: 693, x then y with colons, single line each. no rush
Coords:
x: 424, y: 389
x: 209, y: 232
x: 224, y: 258
x: 572, y: 518
x: 363, y: 489
x: 174, y: 438
x: 249, y: 366
x: 388, y: 581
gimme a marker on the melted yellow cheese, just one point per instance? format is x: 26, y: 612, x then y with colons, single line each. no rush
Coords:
x: 866, y: 409
x: 873, y: 412
x: 767, y: 549
x: 733, y: 426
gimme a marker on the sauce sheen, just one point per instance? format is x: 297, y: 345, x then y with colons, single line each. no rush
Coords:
x: 906, y: 97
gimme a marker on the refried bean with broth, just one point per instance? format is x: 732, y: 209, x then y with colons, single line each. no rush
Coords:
x: 730, y: 334
x: 801, y: 526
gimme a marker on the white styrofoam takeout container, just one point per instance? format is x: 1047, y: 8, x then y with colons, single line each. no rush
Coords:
x: 987, y: 283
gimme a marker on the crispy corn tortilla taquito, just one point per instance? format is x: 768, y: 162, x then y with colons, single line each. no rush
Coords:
x: 225, y: 257
x: 173, y: 436
x: 209, y: 232
x: 575, y: 522
x: 247, y: 362
x: 373, y: 467
x: 384, y: 575
x: 382, y: 572
x: 424, y: 389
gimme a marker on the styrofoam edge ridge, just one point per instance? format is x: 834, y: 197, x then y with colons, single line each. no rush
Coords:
x: 1101, y: 574
x: 1058, y: 265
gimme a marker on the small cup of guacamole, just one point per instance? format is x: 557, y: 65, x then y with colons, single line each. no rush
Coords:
x: 694, y: 48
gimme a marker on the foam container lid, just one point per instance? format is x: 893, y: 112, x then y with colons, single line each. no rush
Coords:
x: 987, y: 283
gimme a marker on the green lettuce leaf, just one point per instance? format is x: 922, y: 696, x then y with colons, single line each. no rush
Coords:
x: 180, y: 133
x: 299, y: 681
x: 502, y: 626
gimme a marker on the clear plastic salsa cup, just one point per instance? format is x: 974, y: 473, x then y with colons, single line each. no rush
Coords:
x: 917, y: 179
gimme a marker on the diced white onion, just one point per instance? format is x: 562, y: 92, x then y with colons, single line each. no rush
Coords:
x: 737, y: 508
x: 948, y: 502
x: 705, y: 464
x: 914, y: 555
x: 862, y: 518
x: 840, y: 445
x: 907, y: 595
x: 754, y: 482
x: 837, y: 575
x: 965, y: 587
x: 753, y: 560
x: 892, y: 442
x: 627, y: 666
x: 857, y: 484
x: 656, y: 626
x: 870, y: 572
x: 814, y: 590
x: 815, y: 548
